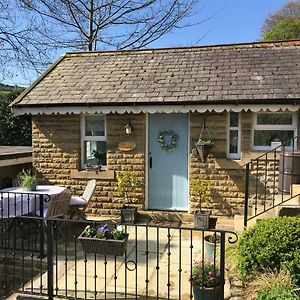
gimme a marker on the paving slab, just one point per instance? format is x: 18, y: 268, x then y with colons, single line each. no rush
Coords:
x: 157, y: 268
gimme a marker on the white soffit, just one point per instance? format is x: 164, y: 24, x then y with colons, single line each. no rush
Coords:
x: 152, y: 109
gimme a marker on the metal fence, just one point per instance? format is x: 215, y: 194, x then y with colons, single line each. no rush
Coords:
x: 269, y: 179
x: 45, y: 257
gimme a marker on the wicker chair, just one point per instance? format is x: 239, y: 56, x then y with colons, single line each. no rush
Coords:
x: 58, y: 206
x: 79, y: 203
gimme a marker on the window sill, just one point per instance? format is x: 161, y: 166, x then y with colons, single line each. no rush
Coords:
x: 104, y: 175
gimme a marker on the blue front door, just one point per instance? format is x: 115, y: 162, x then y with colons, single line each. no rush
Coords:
x: 168, y: 161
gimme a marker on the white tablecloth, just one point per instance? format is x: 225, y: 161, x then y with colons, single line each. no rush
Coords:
x: 17, y: 202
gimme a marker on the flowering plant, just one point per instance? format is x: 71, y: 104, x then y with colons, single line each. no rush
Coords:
x: 103, y: 232
x: 205, y: 274
x: 205, y: 142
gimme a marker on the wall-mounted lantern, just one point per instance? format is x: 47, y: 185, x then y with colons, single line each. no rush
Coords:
x: 128, y: 128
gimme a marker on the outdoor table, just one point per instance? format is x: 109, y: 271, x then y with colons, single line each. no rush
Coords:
x: 15, y: 202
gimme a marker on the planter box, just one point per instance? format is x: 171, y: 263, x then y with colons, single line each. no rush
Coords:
x: 207, y: 293
x: 128, y: 215
x: 103, y: 246
x: 201, y: 219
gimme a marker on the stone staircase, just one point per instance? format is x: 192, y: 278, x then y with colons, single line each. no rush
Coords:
x: 283, y: 205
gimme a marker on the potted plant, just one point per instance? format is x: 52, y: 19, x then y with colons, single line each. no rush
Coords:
x: 211, y: 242
x: 206, y: 281
x: 103, y: 240
x: 100, y: 159
x: 202, y: 190
x: 204, y: 148
x: 127, y: 183
x: 27, y: 180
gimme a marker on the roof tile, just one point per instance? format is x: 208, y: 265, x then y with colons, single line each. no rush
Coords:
x: 218, y: 73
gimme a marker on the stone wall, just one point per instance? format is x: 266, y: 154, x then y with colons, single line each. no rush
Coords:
x: 56, y: 148
x: 108, y: 201
x: 56, y: 154
x: 227, y: 183
x: 227, y: 176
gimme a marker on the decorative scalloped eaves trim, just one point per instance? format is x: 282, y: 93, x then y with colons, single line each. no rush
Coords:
x: 151, y: 109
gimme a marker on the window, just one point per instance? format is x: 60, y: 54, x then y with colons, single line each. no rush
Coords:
x: 234, y: 135
x: 273, y: 127
x: 93, y: 138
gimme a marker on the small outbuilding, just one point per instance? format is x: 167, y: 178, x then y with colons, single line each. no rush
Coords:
x: 143, y: 111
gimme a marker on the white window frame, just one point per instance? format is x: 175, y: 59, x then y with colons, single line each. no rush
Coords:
x: 85, y: 138
x: 255, y: 126
x: 229, y: 128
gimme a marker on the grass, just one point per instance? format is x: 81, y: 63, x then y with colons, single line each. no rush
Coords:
x: 267, y: 280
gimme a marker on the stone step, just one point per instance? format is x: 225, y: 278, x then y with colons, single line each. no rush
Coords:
x: 187, y: 219
x: 239, y: 221
x: 279, y: 210
x: 19, y: 296
x: 30, y: 297
x: 288, y: 203
x: 295, y: 190
x: 169, y: 216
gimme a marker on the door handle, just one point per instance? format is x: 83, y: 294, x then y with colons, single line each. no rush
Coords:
x: 150, y: 162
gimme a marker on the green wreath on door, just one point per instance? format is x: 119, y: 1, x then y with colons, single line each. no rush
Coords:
x: 167, y: 140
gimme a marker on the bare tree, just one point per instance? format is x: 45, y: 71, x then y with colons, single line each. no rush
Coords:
x: 32, y: 31
x: 113, y: 24
x: 290, y: 10
x: 21, y: 46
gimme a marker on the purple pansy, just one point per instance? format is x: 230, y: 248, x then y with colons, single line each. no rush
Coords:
x: 104, y: 230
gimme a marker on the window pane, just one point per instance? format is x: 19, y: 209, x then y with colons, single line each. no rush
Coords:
x: 234, y: 119
x: 275, y: 119
x: 89, y: 157
x: 265, y: 137
x: 233, y: 141
x: 94, y: 126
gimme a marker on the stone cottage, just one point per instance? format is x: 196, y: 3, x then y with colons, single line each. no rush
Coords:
x: 143, y: 111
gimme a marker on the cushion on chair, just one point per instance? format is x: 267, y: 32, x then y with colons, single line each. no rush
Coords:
x: 76, y: 200
x: 89, y: 190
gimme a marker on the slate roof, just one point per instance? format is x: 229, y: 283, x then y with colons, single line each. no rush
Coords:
x: 261, y: 72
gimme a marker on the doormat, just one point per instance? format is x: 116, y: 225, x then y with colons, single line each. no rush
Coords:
x: 164, y: 219
x: 165, y: 223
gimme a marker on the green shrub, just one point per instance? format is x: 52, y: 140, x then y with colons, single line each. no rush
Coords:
x: 266, y: 281
x: 14, y: 130
x: 272, y: 244
x: 277, y: 292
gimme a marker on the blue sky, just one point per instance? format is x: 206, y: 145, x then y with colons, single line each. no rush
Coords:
x: 229, y: 21
x: 220, y: 22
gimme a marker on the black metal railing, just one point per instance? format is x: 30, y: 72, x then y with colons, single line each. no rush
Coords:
x: 269, y: 179
x: 157, y: 264
x: 25, y: 234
